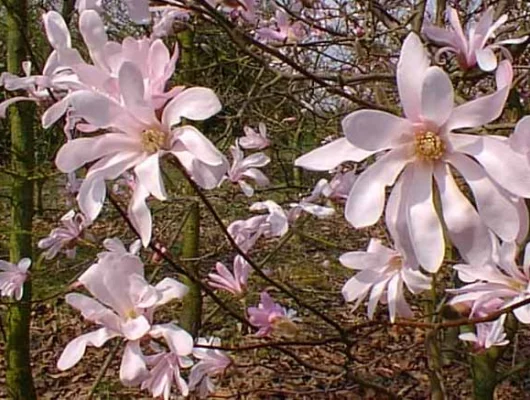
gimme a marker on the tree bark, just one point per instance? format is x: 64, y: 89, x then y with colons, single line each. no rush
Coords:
x: 19, y: 379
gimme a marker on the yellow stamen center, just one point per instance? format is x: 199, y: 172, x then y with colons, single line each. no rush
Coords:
x: 153, y: 140
x: 395, y: 263
x: 429, y: 146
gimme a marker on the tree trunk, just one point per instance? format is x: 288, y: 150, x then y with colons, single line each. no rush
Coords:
x: 191, y: 315
x: 19, y: 380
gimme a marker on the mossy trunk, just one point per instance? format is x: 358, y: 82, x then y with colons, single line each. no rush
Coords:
x: 19, y: 380
x: 484, y: 375
x: 191, y: 316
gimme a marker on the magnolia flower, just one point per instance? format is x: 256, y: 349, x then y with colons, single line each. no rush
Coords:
x: 488, y: 334
x: 244, y: 168
x: 421, y: 148
x: 271, y: 317
x: 247, y: 232
x: 137, y: 140
x: 123, y: 310
x: 65, y: 237
x: 307, y: 204
x: 235, y: 283
x: 285, y: 32
x: 473, y: 49
x: 164, y: 23
x: 254, y: 140
x: 212, y: 363
x: 166, y: 366
x: 499, y: 278
x: 82, y: 5
x: 383, y: 272
x: 12, y: 278
x: 340, y: 185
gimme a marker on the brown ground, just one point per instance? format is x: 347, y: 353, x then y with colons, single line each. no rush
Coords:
x: 387, y: 356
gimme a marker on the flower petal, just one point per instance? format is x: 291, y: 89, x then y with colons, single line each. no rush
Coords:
x: 331, y: 155
x: 486, y: 59
x: 74, y: 351
x: 424, y: 225
x: 196, y: 103
x: 373, y: 130
x: 437, y: 98
x: 367, y: 197
x: 148, y: 173
x: 464, y: 226
x: 133, y: 369
x: 412, y: 65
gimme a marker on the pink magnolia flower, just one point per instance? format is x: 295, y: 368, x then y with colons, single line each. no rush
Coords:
x: 65, y: 237
x: 166, y: 366
x: 383, y: 273
x: 247, y: 232
x: 137, y: 140
x: 340, y: 185
x: 421, y: 148
x: 165, y: 22
x: 285, y: 32
x: 473, y: 49
x: 499, y: 279
x: 309, y: 206
x: 82, y: 5
x: 235, y: 283
x: 244, y: 168
x: 213, y: 362
x: 124, y: 310
x: 271, y: 317
x: 254, y: 140
x: 245, y: 9
x: 488, y: 334
x: 12, y: 278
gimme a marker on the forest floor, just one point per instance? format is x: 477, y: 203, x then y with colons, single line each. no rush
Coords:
x: 382, y: 355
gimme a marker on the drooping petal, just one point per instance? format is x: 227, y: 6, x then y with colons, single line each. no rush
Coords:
x: 495, y: 209
x: 74, y: 351
x: 91, y: 197
x: 505, y: 166
x: 133, y: 369
x: 139, y: 213
x: 465, y: 228
x: 367, y: 197
x: 331, y: 155
x: 179, y: 341
x: 424, y: 225
x: 149, y: 175
x: 199, y: 145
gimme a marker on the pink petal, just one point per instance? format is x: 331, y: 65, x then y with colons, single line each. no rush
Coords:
x: 198, y: 145
x: 149, y: 175
x: 170, y: 289
x: 367, y: 197
x: 135, y: 328
x: 6, y: 103
x: 92, y: 29
x: 331, y: 155
x: 196, y: 103
x: 373, y: 130
x: 76, y: 153
x: 140, y: 215
x: 486, y: 59
x: 179, y: 341
x: 132, y: 90
x: 412, y: 65
x: 465, y: 228
x: 74, y: 351
x: 133, y: 369
x: 56, y: 30
x: 91, y: 197
x: 495, y: 209
x: 54, y: 112
x: 424, y: 225
x: 506, y: 167
x: 479, y: 111
x: 437, y: 99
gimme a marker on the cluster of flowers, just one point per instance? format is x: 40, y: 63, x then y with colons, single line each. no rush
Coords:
x: 421, y: 149
x: 122, y: 92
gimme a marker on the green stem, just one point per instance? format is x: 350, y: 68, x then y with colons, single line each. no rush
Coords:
x: 19, y: 379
